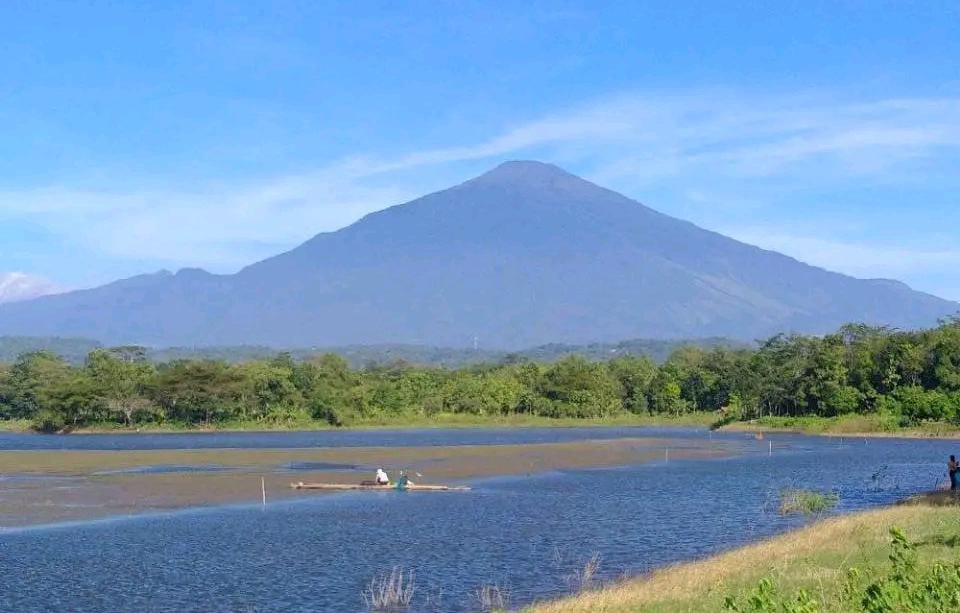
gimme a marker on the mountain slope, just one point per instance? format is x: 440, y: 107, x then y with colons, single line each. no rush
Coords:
x: 523, y: 255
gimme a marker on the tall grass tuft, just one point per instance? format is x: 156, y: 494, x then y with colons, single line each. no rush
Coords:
x: 806, y: 502
x: 492, y: 598
x: 392, y: 592
x: 583, y: 579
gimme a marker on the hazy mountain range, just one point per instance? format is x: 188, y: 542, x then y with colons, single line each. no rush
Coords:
x: 524, y: 255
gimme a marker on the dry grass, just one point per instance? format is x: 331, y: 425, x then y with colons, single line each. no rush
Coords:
x: 392, y: 592
x: 815, y: 558
x: 492, y: 598
x: 583, y: 579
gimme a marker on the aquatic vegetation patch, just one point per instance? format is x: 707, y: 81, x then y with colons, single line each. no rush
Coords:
x: 390, y: 592
x: 807, y: 502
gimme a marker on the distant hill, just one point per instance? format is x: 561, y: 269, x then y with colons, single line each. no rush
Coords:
x: 365, y: 355
x: 523, y: 255
x: 75, y: 350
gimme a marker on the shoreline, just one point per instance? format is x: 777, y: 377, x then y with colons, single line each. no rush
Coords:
x: 815, y: 558
x: 442, y: 421
x: 853, y: 426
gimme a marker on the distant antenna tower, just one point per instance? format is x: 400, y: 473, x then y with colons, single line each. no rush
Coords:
x: 476, y: 343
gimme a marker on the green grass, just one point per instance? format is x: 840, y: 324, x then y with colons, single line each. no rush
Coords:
x: 441, y: 420
x: 806, y: 502
x: 15, y: 425
x: 868, y: 425
x: 816, y: 559
x: 873, y: 424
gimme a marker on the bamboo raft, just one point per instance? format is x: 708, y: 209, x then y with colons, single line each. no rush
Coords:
x: 377, y: 488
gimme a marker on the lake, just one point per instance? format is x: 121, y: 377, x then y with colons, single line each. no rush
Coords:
x: 528, y: 534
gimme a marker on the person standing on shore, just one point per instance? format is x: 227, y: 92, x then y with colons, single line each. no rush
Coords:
x: 952, y: 467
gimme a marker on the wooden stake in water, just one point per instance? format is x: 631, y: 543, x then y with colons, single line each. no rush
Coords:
x: 263, y: 490
x: 771, y: 447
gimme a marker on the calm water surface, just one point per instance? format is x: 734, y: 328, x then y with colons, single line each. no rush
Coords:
x: 527, y: 534
x: 329, y: 438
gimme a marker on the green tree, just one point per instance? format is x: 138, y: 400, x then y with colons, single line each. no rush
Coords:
x: 578, y: 388
x: 119, y: 379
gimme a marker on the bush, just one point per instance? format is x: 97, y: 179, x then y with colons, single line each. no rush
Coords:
x: 48, y: 421
x: 845, y: 400
x: 918, y: 404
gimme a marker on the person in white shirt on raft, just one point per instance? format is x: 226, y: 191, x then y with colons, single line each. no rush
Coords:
x: 382, y: 477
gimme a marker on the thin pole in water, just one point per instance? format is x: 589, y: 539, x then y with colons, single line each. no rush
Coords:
x: 771, y: 447
x: 666, y: 455
x: 263, y: 490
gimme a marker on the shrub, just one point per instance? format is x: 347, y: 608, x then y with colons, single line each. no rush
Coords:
x: 48, y: 421
x: 918, y: 404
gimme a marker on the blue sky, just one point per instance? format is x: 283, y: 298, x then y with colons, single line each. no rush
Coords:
x: 140, y: 136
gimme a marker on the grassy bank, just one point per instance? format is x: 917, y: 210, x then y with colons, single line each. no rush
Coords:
x: 851, y: 425
x: 15, y: 425
x: 440, y: 420
x: 817, y: 559
x: 847, y: 425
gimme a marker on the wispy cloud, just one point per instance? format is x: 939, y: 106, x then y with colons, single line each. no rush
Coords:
x: 857, y: 258
x: 16, y: 286
x: 649, y: 139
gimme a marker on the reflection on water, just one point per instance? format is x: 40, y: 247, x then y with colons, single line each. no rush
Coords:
x: 525, y: 533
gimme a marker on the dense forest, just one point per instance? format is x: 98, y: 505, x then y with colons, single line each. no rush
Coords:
x: 906, y: 377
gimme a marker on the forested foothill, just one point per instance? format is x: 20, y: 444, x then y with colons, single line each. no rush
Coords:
x: 900, y: 378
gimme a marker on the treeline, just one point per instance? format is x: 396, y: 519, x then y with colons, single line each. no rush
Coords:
x: 75, y: 351
x: 907, y: 377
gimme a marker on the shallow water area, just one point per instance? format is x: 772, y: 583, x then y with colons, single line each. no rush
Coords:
x: 114, y: 482
x: 525, y: 530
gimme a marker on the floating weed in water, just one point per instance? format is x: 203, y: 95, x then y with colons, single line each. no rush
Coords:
x: 493, y: 598
x: 391, y: 592
x: 806, y: 502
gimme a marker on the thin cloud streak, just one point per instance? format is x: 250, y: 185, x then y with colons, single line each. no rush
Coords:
x: 648, y: 139
x: 854, y: 258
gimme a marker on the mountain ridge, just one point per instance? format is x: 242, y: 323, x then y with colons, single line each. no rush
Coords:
x: 523, y: 255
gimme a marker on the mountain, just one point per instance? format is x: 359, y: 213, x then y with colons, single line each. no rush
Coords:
x: 16, y: 286
x: 524, y: 255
